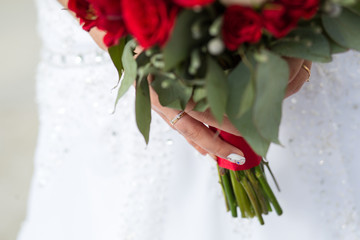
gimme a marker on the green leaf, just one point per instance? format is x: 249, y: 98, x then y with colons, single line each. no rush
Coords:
x: 271, y: 81
x: 130, y: 68
x: 216, y: 88
x: 240, y: 107
x: 249, y: 131
x: 199, y: 94
x: 306, y: 43
x: 241, y: 91
x: 336, y: 48
x: 356, y: 7
x: 172, y: 92
x: 143, y: 108
x: 116, y: 53
x: 344, y: 29
x: 201, y: 106
x: 180, y: 43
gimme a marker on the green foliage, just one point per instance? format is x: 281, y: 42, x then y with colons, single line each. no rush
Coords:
x: 271, y: 80
x: 240, y: 106
x: 344, y: 29
x: 201, y: 106
x: 116, y: 53
x: 172, y: 92
x: 143, y: 108
x: 130, y: 69
x: 335, y: 47
x: 255, y: 98
x: 307, y: 43
x: 241, y: 91
x: 250, y: 93
x: 180, y: 43
x: 250, y: 132
x: 199, y: 94
x: 216, y: 89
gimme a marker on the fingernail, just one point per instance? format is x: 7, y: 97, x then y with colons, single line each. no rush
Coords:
x: 236, y: 158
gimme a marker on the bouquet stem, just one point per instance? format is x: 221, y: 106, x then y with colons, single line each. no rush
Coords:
x: 229, y: 192
x: 265, y: 185
x: 248, y: 190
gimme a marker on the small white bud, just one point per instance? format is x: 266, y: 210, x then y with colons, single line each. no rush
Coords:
x: 165, y: 84
x: 216, y: 46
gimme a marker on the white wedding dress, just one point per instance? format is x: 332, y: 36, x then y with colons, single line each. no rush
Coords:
x: 95, y: 179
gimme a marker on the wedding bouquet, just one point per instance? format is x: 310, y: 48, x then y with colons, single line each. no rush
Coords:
x: 225, y: 56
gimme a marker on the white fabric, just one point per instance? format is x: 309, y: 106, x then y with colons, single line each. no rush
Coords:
x: 95, y: 179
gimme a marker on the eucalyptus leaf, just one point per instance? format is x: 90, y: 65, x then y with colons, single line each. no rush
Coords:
x: 130, y: 69
x: 306, y: 43
x: 171, y: 93
x: 116, y: 53
x: 199, y: 94
x: 178, y: 47
x: 143, y: 108
x: 344, y: 29
x: 249, y: 131
x: 241, y: 91
x: 240, y: 107
x: 216, y: 88
x: 271, y: 81
x: 336, y: 48
x: 201, y: 106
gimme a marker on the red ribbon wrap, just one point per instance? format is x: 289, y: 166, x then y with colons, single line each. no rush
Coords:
x: 252, y: 159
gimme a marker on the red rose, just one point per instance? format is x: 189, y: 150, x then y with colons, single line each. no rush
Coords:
x: 192, y: 3
x: 110, y: 19
x: 149, y: 21
x: 84, y: 12
x: 277, y: 20
x: 301, y: 8
x: 240, y: 25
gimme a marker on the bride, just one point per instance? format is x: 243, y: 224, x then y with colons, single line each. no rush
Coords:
x: 94, y: 177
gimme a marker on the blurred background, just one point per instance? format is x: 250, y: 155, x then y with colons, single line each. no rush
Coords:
x: 18, y: 117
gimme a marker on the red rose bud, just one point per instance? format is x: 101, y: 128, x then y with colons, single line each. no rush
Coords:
x: 193, y: 3
x: 241, y: 25
x: 84, y: 12
x: 301, y: 8
x: 149, y: 21
x: 277, y: 21
x: 110, y: 19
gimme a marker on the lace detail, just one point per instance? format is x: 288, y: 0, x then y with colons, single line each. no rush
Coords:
x: 324, y: 140
x: 76, y: 104
x: 94, y: 163
x: 95, y: 178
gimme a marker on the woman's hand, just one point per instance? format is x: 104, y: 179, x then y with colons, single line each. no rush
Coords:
x: 191, y: 126
x: 202, y: 138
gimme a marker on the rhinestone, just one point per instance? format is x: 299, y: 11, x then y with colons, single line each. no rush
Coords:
x: 169, y: 142
x: 79, y: 59
x: 241, y: 162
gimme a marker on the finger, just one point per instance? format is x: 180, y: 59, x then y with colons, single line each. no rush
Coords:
x: 197, y: 147
x: 299, y: 80
x: 294, y: 67
x: 207, y: 118
x: 197, y: 132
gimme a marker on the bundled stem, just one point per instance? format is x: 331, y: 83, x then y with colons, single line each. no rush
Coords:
x: 248, y: 190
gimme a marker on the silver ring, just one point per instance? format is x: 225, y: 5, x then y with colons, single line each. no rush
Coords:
x: 177, y: 117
